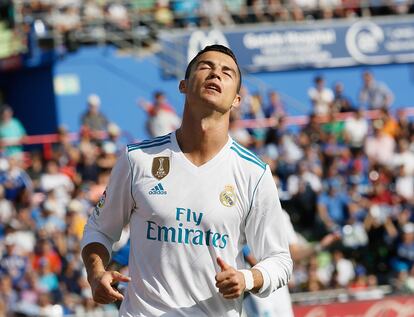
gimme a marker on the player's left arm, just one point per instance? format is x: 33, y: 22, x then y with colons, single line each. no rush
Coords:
x: 267, y: 237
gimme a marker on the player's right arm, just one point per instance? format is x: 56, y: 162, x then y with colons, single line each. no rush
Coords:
x: 96, y: 259
x: 103, y: 228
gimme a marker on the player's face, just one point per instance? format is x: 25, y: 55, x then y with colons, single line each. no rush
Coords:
x: 213, y: 82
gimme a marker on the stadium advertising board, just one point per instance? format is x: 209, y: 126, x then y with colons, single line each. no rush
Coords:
x: 295, y: 46
x: 397, y: 306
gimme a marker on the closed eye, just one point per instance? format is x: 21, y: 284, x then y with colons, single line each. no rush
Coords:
x: 228, y: 73
x: 204, y: 65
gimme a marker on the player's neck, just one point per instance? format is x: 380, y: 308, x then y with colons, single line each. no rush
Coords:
x: 201, y: 139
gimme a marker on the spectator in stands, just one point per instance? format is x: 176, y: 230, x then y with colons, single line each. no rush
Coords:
x: 404, y: 157
x: 303, y: 187
x: 64, y: 151
x: 344, y: 269
x: 14, y: 179
x: 374, y: 94
x: 88, y: 167
x: 12, y: 263
x: 405, y: 250
x: 93, y: 119
x: 162, y: 118
x: 238, y: 133
x: 341, y: 102
x: 277, y: 11
x: 380, y: 147
x: 214, y: 13
x: 275, y: 107
x: 66, y: 20
x: 313, y: 130
x: 404, y: 125
x: 389, y: 123
x: 256, y: 11
x: 332, y: 209
x: 117, y: 15
x: 320, y: 96
x: 185, y: 12
x: 47, y: 219
x: 56, y: 181
x: 45, y: 252
x: 246, y: 100
x: 113, y: 140
x: 163, y: 14
x: 404, y: 184
x: 256, y: 113
x: 11, y: 132
x: 8, y: 295
x: 237, y: 10
x: 356, y: 130
x: 334, y: 128
x: 46, y: 307
x: 7, y: 210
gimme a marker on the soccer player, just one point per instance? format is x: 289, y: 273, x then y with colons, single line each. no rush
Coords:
x: 192, y: 199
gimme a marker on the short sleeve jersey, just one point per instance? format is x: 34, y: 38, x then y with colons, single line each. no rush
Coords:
x: 182, y: 217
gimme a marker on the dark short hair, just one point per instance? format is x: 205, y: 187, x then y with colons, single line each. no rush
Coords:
x: 318, y: 79
x: 215, y: 48
x: 158, y: 94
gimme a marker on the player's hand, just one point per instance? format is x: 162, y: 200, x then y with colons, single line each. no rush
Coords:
x: 102, y: 283
x: 229, y: 281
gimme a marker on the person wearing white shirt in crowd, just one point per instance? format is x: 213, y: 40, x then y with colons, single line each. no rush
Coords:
x: 192, y: 198
x: 321, y: 96
x: 54, y: 180
x: 356, y: 130
x: 303, y: 177
x: 404, y: 184
x: 380, y: 147
x: 404, y: 157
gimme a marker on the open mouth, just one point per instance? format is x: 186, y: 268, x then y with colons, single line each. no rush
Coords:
x: 213, y: 86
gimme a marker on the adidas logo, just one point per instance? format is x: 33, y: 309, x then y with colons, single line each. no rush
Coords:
x: 157, y: 190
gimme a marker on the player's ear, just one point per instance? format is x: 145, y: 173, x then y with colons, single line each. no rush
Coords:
x: 236, y: 101
x: 183, y: 86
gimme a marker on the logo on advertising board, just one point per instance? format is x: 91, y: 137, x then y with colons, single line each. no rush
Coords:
x: 200, y: 39
x: 364, y: 39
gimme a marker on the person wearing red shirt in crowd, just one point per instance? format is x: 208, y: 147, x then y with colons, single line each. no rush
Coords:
x: 46, y: 253
x: 160, y: 103
x: 162, y: 118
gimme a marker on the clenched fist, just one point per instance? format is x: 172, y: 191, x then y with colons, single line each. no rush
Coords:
x: 229, y: 281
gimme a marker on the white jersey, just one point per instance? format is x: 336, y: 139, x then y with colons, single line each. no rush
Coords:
x: 182, y: 217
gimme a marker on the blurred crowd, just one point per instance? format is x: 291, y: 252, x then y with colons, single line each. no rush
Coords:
x: 352, y: 176
x: 46, y: 196
x: 94, y: 20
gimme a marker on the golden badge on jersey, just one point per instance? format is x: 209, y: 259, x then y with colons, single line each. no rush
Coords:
x: 160, y: 167
x: 228, y: 196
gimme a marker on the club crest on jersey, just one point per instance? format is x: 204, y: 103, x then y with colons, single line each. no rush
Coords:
x: 228, y: 196
x: 160, y: 167
x: 100, y: 204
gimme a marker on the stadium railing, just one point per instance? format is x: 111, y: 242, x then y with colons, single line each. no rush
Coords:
x: 47, y: 139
